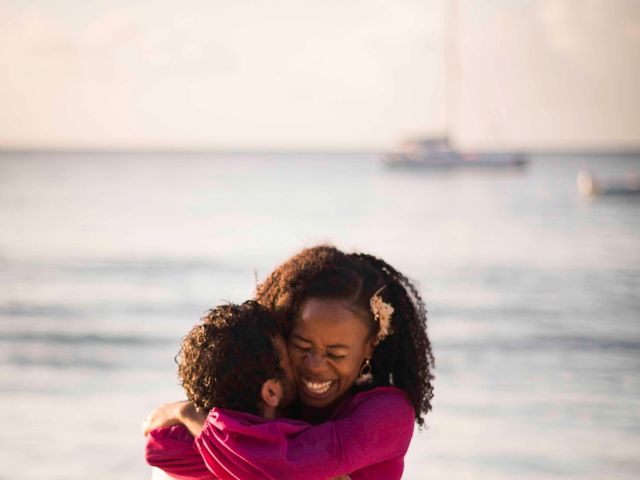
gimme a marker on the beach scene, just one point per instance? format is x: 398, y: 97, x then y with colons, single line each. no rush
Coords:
x: 129, y: 207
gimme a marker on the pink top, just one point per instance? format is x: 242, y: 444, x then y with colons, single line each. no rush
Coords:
x: 366, y: 437
x: 173, y: 450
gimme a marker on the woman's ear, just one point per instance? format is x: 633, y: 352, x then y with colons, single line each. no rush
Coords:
x: 272, y: 392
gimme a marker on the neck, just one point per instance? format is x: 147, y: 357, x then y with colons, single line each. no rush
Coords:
x: 268, y: 412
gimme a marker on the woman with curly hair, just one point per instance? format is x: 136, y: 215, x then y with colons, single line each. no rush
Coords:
x: 324, y: 276
x: 362, y: 361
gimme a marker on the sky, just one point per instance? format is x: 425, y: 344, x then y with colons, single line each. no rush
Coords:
x: 336, y: 74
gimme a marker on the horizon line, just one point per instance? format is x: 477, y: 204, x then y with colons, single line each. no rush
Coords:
x: 208, y: 150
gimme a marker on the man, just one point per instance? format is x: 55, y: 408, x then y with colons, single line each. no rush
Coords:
x: 235, y: 359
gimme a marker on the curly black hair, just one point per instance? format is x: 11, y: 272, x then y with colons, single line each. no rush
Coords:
x: 404, y: 358
x: 225, y: 360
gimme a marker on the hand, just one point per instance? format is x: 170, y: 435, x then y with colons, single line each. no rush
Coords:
x: 164, y: 415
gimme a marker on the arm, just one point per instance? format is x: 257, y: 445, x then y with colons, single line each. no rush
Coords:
x: 170, y: 446
x: 175, y: 413
x: 377, y: 429
x: 192, y: 419
x: 172, y: 449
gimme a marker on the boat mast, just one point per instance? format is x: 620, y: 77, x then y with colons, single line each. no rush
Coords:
x: 452, y: 66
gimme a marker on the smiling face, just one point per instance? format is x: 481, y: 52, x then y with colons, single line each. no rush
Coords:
x: 327, y: 347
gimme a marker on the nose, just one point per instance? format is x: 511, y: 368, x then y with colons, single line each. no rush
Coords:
x: 314, y: 363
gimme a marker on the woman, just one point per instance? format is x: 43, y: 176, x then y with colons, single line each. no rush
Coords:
x: 362, y: 360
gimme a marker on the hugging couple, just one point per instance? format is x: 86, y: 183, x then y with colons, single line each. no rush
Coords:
x: 321, y: 376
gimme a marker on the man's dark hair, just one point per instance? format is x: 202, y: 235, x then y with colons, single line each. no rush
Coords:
x: 225, y: 360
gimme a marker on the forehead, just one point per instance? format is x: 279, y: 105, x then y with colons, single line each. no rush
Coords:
x: 329, y: 322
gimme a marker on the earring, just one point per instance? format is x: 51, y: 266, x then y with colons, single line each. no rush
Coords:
x: 365, y: 377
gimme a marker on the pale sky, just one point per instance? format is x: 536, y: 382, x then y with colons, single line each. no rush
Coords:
x: 318, y: 74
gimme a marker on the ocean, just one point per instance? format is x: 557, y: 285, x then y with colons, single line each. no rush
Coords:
x: 533, y: 292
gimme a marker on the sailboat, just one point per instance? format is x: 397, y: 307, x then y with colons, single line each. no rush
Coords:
x: 437, y: 151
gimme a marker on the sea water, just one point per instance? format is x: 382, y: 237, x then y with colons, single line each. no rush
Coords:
x: 533, y: 292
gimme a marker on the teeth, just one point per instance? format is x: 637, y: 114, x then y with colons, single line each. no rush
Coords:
x: 317, y: 387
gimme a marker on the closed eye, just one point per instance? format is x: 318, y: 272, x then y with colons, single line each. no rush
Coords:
x: 302, y: 348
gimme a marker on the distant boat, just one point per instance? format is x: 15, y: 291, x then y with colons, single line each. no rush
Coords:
x: 436, y: 152
x: 589, y: 186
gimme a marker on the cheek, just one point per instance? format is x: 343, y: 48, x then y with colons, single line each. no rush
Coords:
x: 296, y: 359
x: 348, y: 370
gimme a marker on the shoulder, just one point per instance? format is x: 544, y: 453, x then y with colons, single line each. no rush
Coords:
x: 385, y: 407
x: 387, y: 397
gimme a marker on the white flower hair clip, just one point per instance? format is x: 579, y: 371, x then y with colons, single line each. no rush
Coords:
x: 382, y: 313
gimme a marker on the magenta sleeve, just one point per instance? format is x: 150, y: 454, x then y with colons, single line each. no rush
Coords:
x: 376, y: 428
x: 172, y: 449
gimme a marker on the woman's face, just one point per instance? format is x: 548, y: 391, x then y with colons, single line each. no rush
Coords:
x: 327, y: 346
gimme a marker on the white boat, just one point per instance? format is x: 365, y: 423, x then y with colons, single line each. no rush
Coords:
x: 589, y: 186
x: 436, y: 152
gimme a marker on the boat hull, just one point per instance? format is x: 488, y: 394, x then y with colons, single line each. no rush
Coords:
x: 453, y: 159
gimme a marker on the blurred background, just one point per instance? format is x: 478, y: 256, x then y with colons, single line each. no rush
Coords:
x: 158, y: 158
